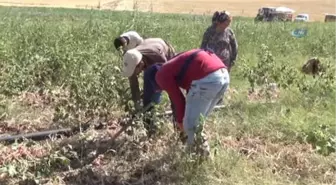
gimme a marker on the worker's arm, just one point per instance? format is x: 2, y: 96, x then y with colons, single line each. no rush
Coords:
x: 135, y: 91
x: 234, y: 46
x: 168, y: 83
x: 206, y: 38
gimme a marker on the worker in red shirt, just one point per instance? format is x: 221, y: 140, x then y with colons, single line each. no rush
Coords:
x: 205, y: 78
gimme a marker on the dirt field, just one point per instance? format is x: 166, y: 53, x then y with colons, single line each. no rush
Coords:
x: 316, y: 8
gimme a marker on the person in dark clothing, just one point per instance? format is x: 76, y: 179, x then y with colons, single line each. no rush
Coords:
x: 220, y: 38
x: 151, y: 51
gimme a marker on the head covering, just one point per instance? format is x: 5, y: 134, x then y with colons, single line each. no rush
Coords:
x: 119, y: 42
x: 131, y: 59
x: 215, y: 15
x: 221, y: 16
x: 134, y: 39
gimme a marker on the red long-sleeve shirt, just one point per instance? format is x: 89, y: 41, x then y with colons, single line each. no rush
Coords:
x: 203, y: 64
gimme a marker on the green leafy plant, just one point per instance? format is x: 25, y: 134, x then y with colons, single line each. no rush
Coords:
x: 268, y: 70
x: 322, y: 139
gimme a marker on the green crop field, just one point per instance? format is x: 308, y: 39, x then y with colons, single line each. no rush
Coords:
x: 59, y: 68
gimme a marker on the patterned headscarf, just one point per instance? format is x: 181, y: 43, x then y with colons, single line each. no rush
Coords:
x: 220, y: 16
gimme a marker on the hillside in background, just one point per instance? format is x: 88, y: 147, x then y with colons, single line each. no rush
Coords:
x: 248, y: 8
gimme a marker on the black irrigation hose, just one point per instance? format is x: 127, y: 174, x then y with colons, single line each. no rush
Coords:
x: 43, y: 135
x: 35, y: 136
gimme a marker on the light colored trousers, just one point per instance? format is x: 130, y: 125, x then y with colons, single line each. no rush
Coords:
x: 201, y: 99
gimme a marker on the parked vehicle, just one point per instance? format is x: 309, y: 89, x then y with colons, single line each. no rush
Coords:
x: 302, y: 18
x: 274, y: 14
x: 330, y: 18
x: 265, y: 14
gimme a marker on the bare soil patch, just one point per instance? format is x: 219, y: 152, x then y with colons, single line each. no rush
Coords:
x: 297, y: 160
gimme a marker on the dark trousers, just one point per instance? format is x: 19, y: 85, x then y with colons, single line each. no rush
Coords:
x: 151, y: 95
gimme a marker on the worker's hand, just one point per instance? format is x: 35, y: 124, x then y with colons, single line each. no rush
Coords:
x: 179, y: 129
x: 183, y: 137
x: 179, y: 126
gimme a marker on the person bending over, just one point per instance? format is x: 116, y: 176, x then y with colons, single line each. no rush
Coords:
x: 135, y: 61
x: 205, y: 78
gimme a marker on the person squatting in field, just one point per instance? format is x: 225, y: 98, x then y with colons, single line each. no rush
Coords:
x: 150, y: 51
x: 130, y: 40
x: 312, y: 67
x: 205, y: 78
x: 220, y: 38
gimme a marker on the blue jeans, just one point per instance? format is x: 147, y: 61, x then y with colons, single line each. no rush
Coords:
x: 201, y: 99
